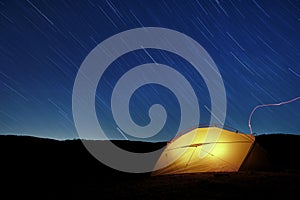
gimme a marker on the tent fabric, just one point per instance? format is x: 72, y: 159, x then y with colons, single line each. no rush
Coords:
x: 208, y: 149
x: 257, y: 159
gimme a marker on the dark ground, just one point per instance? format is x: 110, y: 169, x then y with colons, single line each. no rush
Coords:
x: 50, y: 169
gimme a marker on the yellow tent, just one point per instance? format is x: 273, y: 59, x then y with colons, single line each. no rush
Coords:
x: 208, y: 149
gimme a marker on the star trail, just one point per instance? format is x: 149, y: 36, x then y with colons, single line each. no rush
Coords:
x: 255, y: 45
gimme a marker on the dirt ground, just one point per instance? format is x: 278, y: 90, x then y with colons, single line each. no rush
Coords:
x: 242, y: 185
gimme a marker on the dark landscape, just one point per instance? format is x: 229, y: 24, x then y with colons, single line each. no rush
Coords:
x: 64, y: 169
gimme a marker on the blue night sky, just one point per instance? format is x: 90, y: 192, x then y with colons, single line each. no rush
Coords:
x: 255, y: 45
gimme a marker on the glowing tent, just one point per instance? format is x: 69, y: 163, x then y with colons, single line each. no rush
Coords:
x: 208, y: 149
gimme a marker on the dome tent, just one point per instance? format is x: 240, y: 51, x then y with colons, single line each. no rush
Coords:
x: 210, y: 149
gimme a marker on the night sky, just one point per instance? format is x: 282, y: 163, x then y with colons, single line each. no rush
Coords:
x: 255, y: 45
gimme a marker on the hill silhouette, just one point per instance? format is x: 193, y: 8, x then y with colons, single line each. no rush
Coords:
x: 66, y: 169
